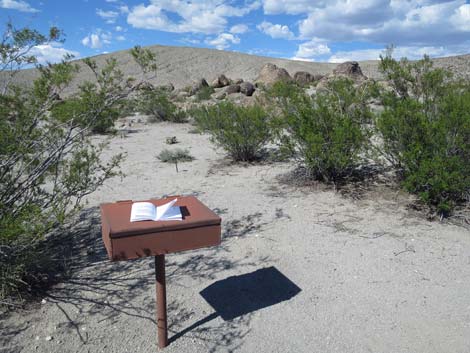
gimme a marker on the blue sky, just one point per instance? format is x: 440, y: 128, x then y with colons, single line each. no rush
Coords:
x: 314, y: 30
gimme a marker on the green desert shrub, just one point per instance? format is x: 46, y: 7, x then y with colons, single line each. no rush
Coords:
x: 96, y: 105
x: 73, y: 108
x: 327, y: 131
x: 204, y: 93
x: 156, y: 103
x: 48, y: 161
x: 425, y: 128
x: 175, y: 156
x: 241, y: 131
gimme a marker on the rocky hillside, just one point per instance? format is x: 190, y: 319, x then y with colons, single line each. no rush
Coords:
x: 181, y: 66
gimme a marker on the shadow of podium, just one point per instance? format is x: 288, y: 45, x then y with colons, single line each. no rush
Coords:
x: 239, y: 295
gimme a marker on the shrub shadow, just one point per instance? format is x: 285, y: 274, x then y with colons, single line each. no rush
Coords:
x: 243, y: 226
x: 356, y: 185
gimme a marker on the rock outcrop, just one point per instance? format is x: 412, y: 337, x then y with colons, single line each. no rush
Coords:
x: 197, y: 86
x: 220, y: 81
x: 247, y: 88
x: 270, y: 74
x: 317, y: 77
x: 232, y: 89
x: 350, y: 69
x: 220, y: 95
x: 303, y: 78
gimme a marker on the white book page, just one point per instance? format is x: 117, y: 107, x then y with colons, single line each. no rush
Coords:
x: 168, y: 212
x: 143, y: 211
x: 173, y: 214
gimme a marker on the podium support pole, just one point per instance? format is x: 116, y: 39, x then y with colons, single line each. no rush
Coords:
x: 162, y: 328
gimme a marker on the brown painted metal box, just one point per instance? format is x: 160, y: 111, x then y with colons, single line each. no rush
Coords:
x: 125, y: 240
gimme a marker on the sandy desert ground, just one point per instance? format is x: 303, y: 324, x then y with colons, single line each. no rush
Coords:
x: 300, y: 268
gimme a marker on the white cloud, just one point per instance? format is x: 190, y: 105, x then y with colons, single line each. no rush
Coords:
x: 209, y: 17
x: 223, y: 41
x: 97, y: 39
x: 120, y: 38
x: 148, y: 17
x: 119, y: 29
x: 357, y: 55
x: 265, y: 52
x: 51, y: 53
x: 461, y: 18
x: 291, y: 7
x: 19, y: 5
x: 190, y: 40
x: 109, y: 16
x: 410, y: 52
x: 403, y: 23
x: 307, y: 51
x: 275, y: 30
x: 239, y: 29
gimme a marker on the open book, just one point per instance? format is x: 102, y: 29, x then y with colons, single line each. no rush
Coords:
x: 146, y: 211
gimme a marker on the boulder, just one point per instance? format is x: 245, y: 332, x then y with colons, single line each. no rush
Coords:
x: 270, y: 74
x: 232, y: 89
x: 220, y: 95
x: 323, y: 83
x: 238, y: 81
x: 220, y: 81
x: 349, y: 69
x: 240, y: 99
x: 317, y: 77
x: 247, y: 88
x: 197, y: 86
x: 303, y: 78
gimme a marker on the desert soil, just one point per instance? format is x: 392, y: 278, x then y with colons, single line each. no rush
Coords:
x: 340, y: 273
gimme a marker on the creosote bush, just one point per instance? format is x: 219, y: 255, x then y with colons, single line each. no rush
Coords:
x: 73, y: 108
x: 48, y: 162
x: 204, y: 93
x: 425, y: 128
x: 155, y: 102
x: 241, y: 131
x: 328, y: 131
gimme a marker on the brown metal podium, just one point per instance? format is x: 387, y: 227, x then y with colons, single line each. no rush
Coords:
x: 124, y: 240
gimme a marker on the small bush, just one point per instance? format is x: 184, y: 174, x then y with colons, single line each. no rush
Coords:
x: 327, y: 131
x: 178, y: 154
x: 242, y: 131
x: 175, y: 156
x: 204, y: 93
x: 156, y: 104
x: 425, y: 128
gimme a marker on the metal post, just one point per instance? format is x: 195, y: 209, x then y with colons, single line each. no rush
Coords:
x: 161, y: 301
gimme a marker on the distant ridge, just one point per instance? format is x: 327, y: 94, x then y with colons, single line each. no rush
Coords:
x: 182, y: 65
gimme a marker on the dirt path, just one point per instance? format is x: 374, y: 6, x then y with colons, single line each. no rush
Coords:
x: 299, y: 269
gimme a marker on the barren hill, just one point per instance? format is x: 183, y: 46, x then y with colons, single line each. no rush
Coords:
x: 182, y: 65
